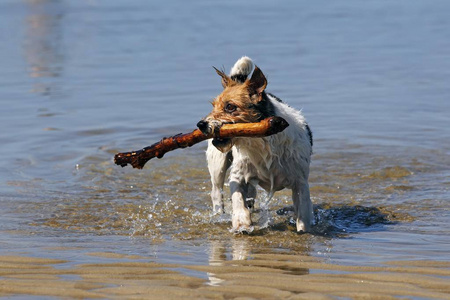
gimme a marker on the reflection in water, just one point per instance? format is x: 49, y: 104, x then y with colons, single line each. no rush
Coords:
x: 217, y: 255
x: 242, y: 250
x: 43, y: 43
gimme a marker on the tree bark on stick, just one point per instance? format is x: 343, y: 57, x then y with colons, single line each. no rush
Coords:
x: 139, y: 158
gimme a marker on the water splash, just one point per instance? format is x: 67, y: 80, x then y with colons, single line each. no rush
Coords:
x: 339, y: 220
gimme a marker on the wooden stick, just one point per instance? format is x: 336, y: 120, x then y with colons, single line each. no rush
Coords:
x: 139, y: 158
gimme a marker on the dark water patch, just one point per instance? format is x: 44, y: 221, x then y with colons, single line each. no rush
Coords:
x: 395, y: 172
x: 294, y: 270
x: 97, y: 131
x: 342, y: 220
x: 347, y: 219
x: 399, y: 188
x: 48, y: 114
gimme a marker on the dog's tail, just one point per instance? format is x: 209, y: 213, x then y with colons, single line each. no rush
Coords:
x: 242, y: 69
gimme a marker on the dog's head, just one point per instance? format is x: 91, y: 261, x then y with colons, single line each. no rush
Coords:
x: 241, y: 101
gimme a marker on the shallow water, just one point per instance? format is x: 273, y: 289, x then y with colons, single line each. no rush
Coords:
x: 83, y: 80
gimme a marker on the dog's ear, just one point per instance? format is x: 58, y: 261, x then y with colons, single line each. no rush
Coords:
x: 257, y: 84
x: 226, y: 81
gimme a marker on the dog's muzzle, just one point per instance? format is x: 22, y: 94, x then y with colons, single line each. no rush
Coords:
x: 204, y: 126
x: 223, y: 145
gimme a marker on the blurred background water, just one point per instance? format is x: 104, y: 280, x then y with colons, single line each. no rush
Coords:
x: 83, y: 80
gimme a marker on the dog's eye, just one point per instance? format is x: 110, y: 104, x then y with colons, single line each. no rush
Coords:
x: 230, y: 108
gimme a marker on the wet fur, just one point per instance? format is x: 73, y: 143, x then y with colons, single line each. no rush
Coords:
x: 274, y: 163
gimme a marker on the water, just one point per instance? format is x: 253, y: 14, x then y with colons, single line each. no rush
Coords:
x: 83, y: 80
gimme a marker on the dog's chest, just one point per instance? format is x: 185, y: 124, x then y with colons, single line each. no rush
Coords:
x: 267, y: 161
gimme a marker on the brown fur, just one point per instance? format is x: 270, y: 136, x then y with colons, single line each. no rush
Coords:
x: 245, y: 97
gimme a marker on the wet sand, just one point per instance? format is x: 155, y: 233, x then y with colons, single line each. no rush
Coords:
x: 264, y: 276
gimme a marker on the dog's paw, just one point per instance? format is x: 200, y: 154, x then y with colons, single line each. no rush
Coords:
x: 218, y: 209
x: 302, y: 227
x: 241, y: 221
x: 242, y: 230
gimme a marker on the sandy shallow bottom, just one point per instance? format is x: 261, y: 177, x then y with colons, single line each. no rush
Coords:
x: 264, y: 276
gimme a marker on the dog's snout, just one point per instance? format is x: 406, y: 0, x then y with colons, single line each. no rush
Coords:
x: 202, y: 125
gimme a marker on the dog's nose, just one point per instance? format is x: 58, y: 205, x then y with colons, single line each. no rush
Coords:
x: 202, y: 125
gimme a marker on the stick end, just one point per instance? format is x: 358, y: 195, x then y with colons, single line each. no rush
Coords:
x: 278, y: 124
x: 120, y: 160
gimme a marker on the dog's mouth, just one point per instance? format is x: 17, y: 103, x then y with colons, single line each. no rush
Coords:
x: 223, y: 145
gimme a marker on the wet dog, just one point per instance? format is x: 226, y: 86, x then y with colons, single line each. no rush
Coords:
x: 274, y: 163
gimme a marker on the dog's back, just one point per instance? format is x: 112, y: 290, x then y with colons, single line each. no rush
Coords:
x: 274, y: 162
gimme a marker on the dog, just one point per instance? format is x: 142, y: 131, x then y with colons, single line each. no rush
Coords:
x: 274, y: 162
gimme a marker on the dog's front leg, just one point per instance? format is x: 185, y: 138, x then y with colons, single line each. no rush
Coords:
x: 303, y: 207
x: 241, y: 220
x: 240, y: 170
x: 218, y: 164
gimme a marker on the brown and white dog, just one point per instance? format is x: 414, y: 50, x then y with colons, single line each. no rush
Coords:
x: 274, y: 163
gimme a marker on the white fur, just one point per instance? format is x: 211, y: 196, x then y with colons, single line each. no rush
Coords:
x: 275, y: 162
